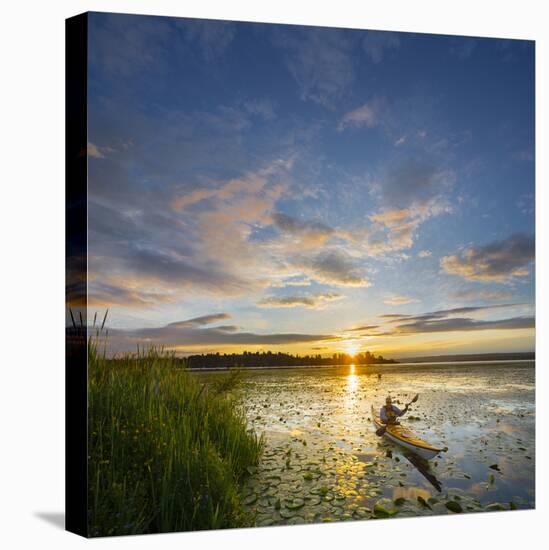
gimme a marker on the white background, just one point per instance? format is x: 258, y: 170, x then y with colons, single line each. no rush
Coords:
x: 32, y: 270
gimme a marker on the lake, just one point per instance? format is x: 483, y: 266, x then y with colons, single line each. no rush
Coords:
x: 323, y: 461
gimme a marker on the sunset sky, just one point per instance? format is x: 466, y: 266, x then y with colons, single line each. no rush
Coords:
x: 309, y: 190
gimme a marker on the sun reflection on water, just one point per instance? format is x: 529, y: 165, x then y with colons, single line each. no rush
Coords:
x: 352, y: 386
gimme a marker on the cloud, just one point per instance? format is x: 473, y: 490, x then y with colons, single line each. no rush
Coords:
x: 393, y: 315
x: 102, y: 294
x: 424, y: 253
x: 262, y: 108
x: 395, y: 229
x: 310, y: 301
x: 320, y: 61
x: 376, y: 42
x: 179, y: 272
x: 213, y: 37
x: 398, y: 299
x: 363, y: 328
x: 366, y: 115
x: 400, y: 141
x: 461, y: 324
x: 306, y: 232
x: 441, y: 313
x: 94, y: 151
x: 201, y: 243
x: 451, y: 320
x: 252, y: 183
x: 126, y: 44
x: 333, y: 267
x: 482, y: 294
x: 203, y: 320
x: 500, y: 261
x: 291, y: 281
x: 192, y: 333
x: 413, y: 183
x: 409, y: 194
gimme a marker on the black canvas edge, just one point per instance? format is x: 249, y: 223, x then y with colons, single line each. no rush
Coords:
x: 76, y: 357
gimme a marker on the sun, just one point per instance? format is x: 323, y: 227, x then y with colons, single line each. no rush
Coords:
x: 352, y: 349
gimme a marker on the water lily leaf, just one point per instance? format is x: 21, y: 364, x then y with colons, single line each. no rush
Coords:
x: 494, y: 507
x: 454, y: 506
x: 381, y: 511
x: 250, y: 499
x: 423, y: 502
x: 295, y: 504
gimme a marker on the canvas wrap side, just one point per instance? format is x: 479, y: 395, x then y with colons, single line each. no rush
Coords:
x: 76, y: 52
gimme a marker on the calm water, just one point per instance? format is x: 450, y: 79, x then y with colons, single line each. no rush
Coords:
x: 323, y: 461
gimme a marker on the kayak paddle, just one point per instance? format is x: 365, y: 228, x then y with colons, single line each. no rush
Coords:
x: 380, y: 431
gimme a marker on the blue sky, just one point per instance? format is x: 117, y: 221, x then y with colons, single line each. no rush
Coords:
x: 256, y: 186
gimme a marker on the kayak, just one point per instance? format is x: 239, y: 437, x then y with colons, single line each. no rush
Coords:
x: 406, y: 438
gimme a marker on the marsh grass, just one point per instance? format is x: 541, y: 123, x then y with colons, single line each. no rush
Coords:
x: 166, y: 452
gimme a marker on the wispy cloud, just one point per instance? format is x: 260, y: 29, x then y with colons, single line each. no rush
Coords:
x: 97, y: 152
x: 202, y: 320
x: 376, y: 43
x: 333, y: 267
x: 500, y: 261
x: 212, y: 37
x: 320, y: 61
x: 441, y: 313
x: 102, y: 294
x: 193, y: 333
x: 460, y: 325
x: 424, y: 253
x: 450, y: 320
x: 310, y: 301
x: 365, y: 115
x: 305, y: 232
x: 398, y: 299
x: 290, y: 282
x: 481, y: 294
x: 363, y: 328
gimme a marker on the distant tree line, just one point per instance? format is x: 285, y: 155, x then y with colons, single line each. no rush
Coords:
x: 270, y: 359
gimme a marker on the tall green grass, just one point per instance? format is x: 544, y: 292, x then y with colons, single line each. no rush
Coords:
x: 166, y: 453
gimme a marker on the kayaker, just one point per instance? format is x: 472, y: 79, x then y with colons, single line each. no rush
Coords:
x: 389, y: 412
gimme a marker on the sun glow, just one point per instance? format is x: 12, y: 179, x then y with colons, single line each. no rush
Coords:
x: 352, y: 349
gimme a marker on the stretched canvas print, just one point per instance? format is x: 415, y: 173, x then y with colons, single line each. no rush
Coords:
x: 300, y: 274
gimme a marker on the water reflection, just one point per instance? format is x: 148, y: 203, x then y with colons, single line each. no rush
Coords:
x: 424, y: 468
x: 352, y: 388
x: 323, y: 458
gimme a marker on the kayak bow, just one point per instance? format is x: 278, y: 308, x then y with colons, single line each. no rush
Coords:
x: 406, y: 438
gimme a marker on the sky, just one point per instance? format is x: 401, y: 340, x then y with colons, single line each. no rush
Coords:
x: 309, y: 190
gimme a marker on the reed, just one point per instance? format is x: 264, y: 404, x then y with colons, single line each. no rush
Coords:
x: 166, y: 452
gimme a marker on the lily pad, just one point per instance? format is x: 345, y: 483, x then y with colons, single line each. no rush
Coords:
x: 454, y: 506
x: 295, y: 504
x: 250, y: 499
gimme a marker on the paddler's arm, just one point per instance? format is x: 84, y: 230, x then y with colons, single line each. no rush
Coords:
x: 383, y: 415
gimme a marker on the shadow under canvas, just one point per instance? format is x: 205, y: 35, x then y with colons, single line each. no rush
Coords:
x: 57, y: 519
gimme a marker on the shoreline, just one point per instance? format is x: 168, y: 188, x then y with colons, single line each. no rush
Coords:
x: 383, y: 366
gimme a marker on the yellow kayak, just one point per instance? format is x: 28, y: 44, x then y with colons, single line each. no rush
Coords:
x: 406, y: 438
